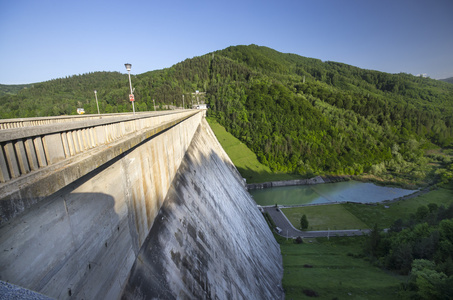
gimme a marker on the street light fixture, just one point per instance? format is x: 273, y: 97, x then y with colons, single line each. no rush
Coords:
x: 131, y: 95
x: 97, y: 104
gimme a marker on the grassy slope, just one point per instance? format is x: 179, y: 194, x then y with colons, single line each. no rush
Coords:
x: 324, y: 217
x: 335, y: 273
x: 244, y: 159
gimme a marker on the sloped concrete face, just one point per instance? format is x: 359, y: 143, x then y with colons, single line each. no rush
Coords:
x: 209, y: 240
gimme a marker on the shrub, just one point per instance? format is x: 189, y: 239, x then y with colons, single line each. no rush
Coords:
x: 304, y: 222
x: 310, y: 293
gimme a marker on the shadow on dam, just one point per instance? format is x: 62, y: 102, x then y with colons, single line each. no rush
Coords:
x: 207, y: 239
x: 66, y: 246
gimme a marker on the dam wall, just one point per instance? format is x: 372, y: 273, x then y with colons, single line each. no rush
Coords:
x: 209, y: 240
x: 160, y: 213
x: 81, y: 241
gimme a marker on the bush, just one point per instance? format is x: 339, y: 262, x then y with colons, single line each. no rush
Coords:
x: 304, y: 222
x: 310, y: 293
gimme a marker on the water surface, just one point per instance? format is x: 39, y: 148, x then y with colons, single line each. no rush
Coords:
x: 352, y: 191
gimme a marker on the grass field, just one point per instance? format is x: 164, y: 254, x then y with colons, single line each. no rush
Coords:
x: 244, y: 159
x: 334, y: 270
x: 324, y: 217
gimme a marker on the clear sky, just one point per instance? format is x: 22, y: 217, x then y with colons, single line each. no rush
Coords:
x: 42, y: 40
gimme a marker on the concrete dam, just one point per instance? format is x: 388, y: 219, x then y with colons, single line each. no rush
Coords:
x: 130, y: 207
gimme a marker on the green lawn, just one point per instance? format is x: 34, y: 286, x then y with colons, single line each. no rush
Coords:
x: 244, y: 159
x: 335, y: 272
x: 324, y: 217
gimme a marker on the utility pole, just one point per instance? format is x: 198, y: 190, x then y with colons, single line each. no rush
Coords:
x: 97, y: 104
x: 131, y: 95
x: 182, y: 101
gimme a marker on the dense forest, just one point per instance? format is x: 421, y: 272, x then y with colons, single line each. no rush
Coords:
x: 298, y: 114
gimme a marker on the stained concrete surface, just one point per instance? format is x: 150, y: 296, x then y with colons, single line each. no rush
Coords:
x: 209, y: 240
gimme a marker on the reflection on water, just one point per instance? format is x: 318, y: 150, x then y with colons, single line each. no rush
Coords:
x: 352, y: 191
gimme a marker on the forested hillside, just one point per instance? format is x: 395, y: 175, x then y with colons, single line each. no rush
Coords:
x: 298, y: 114
x: 449, y: 80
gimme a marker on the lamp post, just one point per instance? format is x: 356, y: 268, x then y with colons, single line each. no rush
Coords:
x: 131, y: 96
x: 97, y: 104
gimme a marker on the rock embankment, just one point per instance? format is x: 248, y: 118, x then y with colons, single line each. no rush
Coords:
x: 314, y: 180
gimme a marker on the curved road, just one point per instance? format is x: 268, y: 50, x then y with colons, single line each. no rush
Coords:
x: 289, y: 231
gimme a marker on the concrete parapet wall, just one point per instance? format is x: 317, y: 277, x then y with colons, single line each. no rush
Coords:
x: 46, y: 159
x: 27, y: 149
x: 80, y: 239
x: 39, y: 121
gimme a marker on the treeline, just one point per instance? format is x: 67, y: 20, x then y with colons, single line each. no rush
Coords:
x: 449, y: 80
x: 64, y: 95
x: 298, y: 114
x: 12, y: 89
x: 421, y: 247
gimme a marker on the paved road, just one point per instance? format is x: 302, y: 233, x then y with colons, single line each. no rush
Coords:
x: 288, y: 230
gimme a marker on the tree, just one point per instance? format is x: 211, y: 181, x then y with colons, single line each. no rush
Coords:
x: 374, y: 240
x: 422, y: 212
x: 428, y: 282
x: 303, y: 222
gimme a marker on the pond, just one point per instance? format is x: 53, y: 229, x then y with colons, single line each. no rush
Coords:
x: 352, y: 191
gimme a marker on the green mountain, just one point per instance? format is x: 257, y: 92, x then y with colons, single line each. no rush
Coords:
x: 298, y: 114
x: 449, y: 80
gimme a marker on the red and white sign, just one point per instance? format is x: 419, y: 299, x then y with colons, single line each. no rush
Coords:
x: 131, y: 97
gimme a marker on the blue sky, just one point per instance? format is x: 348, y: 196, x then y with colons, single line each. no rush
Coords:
x: 42, y: 40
